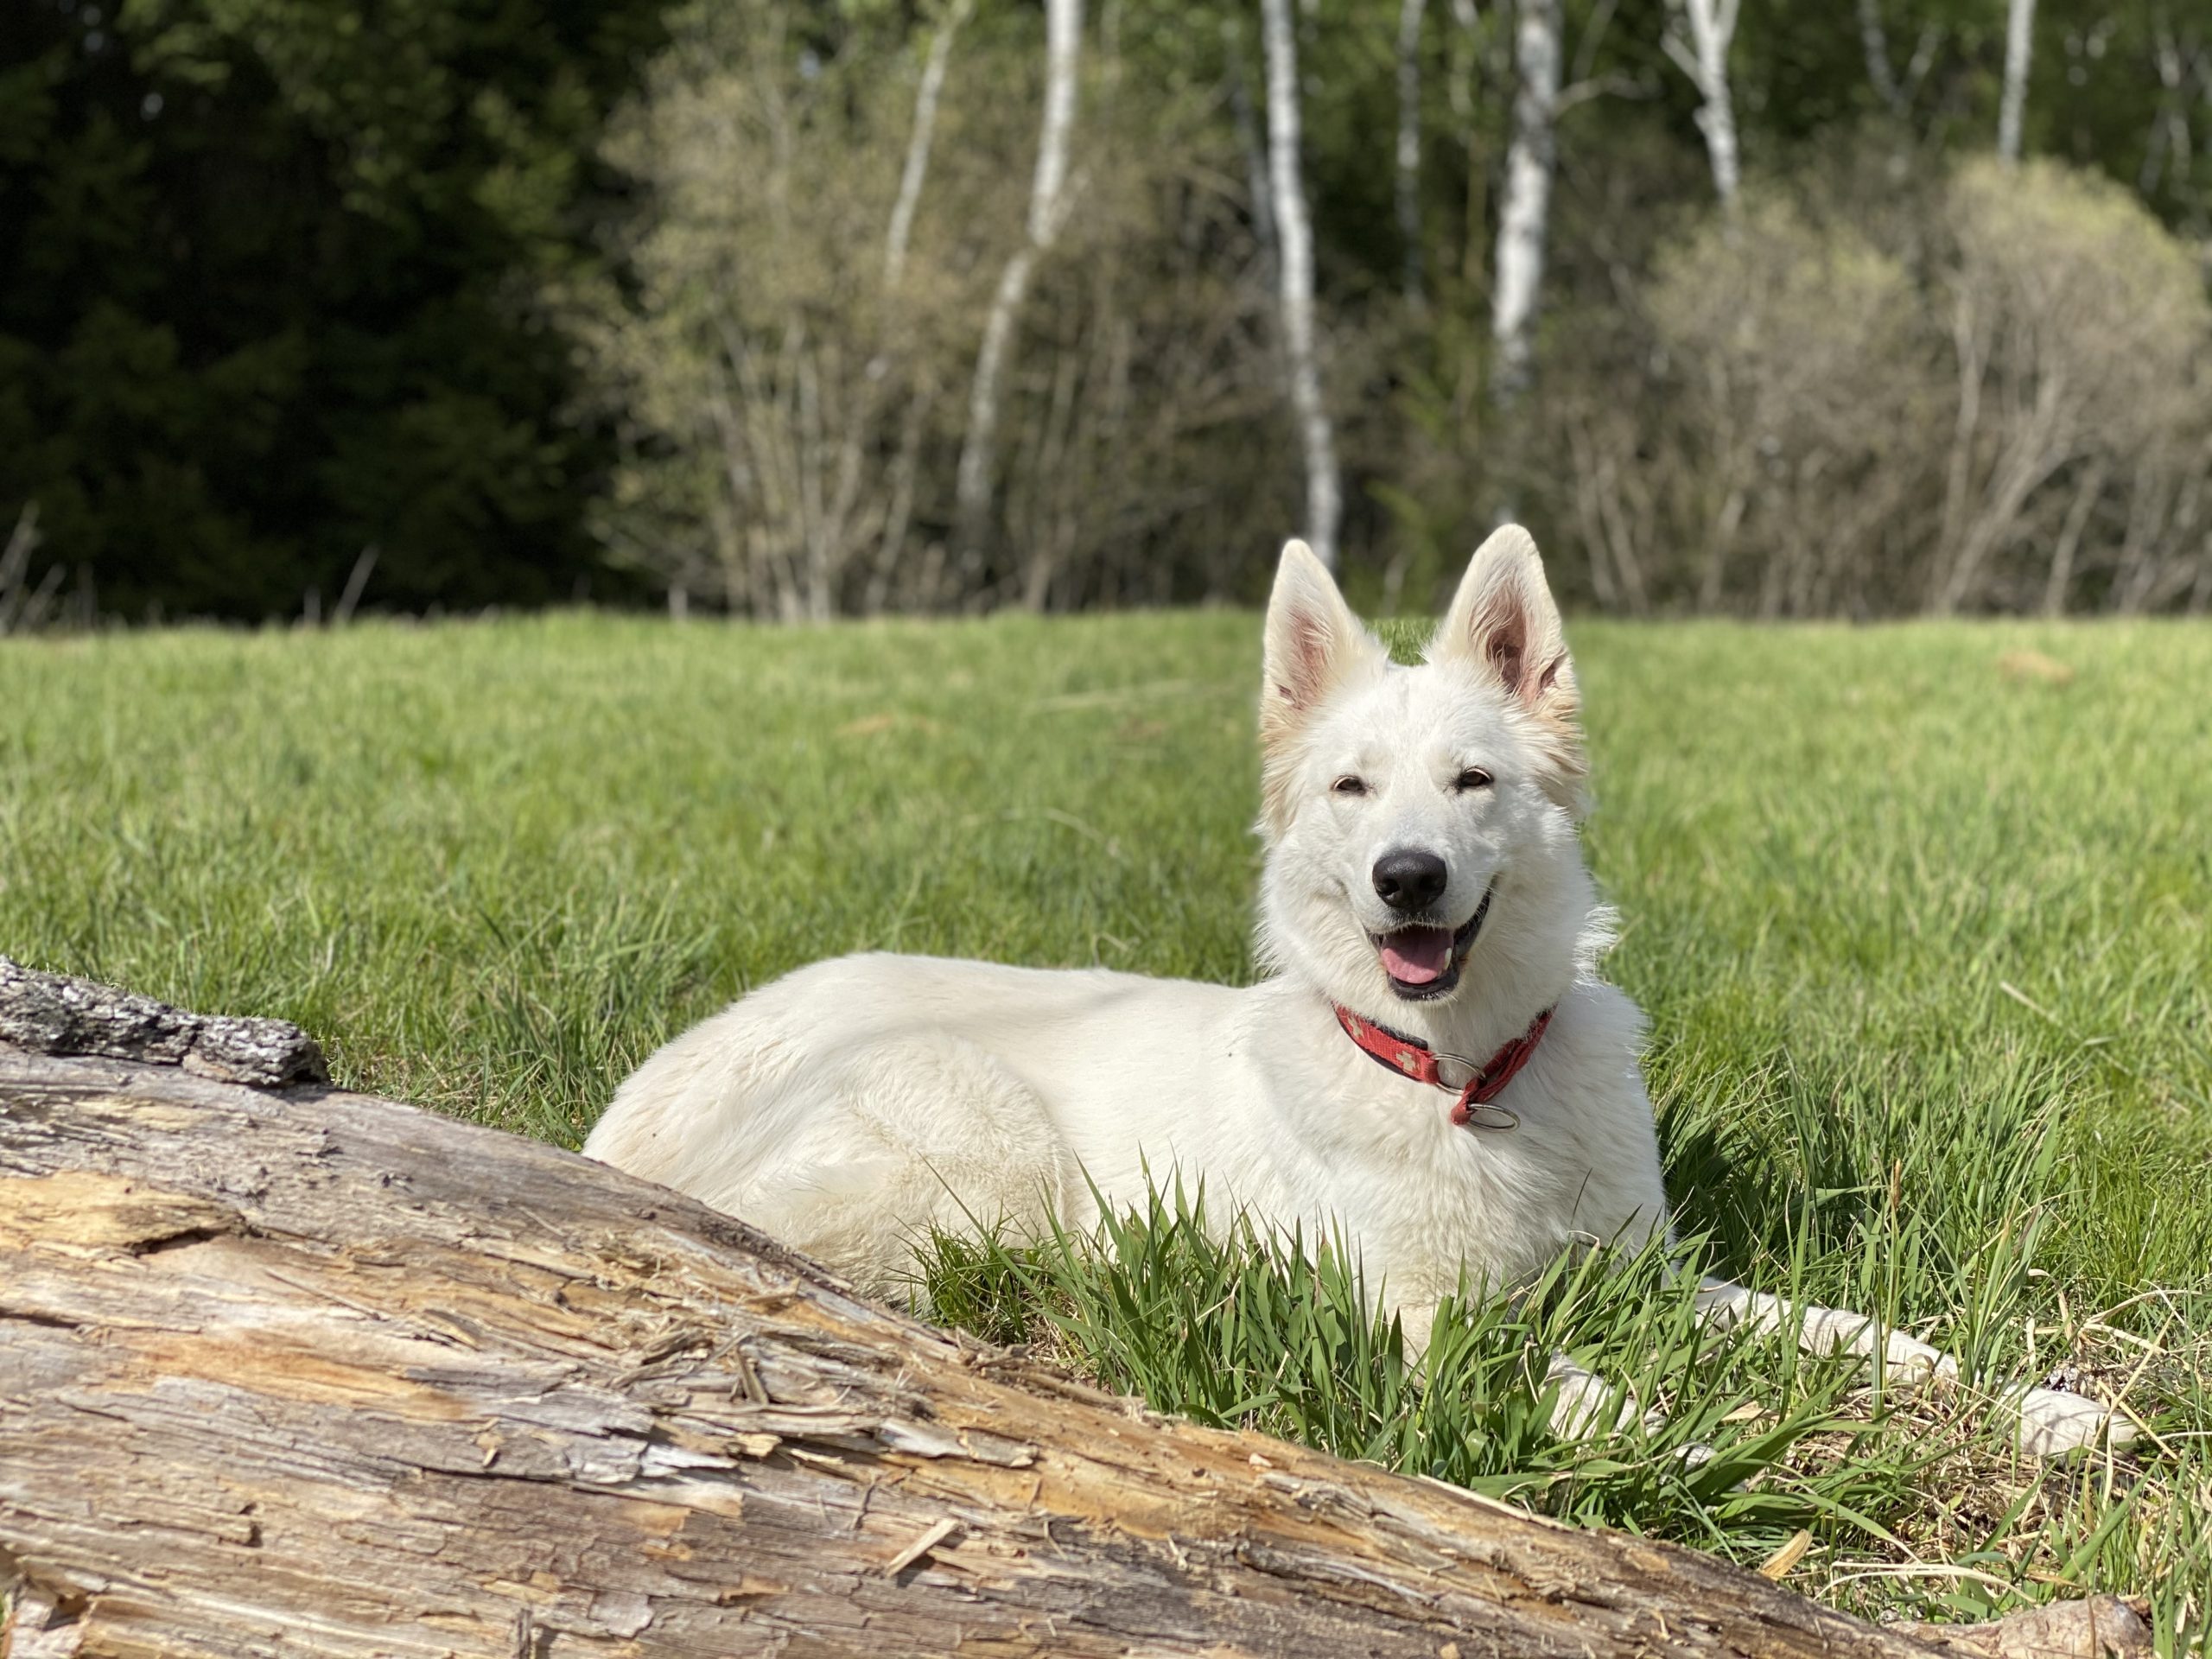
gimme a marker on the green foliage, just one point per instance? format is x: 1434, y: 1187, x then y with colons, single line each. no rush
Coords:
x: 791, y: 402
x: 1869, y: 388
x: 265, y: 304
x: 1922, y: 933
x: 291, y: 280
x: 1217, y: 1320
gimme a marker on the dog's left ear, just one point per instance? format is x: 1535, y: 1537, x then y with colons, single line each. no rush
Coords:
x: 1504, y: 623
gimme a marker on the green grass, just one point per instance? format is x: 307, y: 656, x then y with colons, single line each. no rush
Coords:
x: 1924, y: 947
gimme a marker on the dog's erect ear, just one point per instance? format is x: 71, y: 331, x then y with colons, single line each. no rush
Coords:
x: 1313, y: 641
x: 1312, y: 637
x: 1504, y: 623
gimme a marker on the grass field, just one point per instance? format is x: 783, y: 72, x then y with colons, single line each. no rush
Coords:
x: 1924, y: 946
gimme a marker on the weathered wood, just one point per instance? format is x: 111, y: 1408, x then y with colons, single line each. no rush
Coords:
x: 316, y: 1373
x: 47, y: 1014
x: 2098, y: 1627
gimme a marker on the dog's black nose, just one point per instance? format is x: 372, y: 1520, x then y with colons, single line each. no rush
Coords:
x: 1410, y: 881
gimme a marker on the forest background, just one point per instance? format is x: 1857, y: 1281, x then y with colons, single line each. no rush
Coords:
x: 804, y: 307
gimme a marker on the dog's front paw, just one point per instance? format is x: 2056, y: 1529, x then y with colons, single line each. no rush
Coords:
x: 1907, y: 1363
x: 1910, y: 1362
x: 2051, y: 1423
x: 1587, y: 1406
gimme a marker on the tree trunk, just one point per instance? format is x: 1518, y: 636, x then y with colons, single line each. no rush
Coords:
x: 1294, y: 235
x: 1524, y: 219
x: 1713, y: 28
x: 1459, y: 89
x: 918, y: 143
x: 1874, y: 42
x: 316, y: 1373
x: 1048, y: 191
x: 2019, y: 32
x: 1257, y: 186
x: 2061, y: 576
x: 1408, y: 151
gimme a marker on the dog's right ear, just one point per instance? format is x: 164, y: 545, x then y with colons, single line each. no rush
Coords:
x: 1312, y: 637
x: 1312, y: 641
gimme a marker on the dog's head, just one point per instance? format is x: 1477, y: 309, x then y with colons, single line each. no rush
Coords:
x: 1419, y: 819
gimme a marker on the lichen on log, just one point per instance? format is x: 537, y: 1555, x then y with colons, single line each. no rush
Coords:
x: 49, y: 1013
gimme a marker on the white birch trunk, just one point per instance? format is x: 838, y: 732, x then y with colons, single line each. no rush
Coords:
x: 1294, y: 233
x: 1874, y: 41
x: 1048, y: 204
x: 1247, y: 123
x: 1459, y: 89
x: 1524, y: 219
x: 1712, y: 27
x: 1063, y: 53
x: 1468, y: 18
x: 2019, y: 43
x: 918, y: 145
x: 1409, y: 20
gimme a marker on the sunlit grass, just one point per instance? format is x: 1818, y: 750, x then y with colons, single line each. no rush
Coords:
x: 1924, y: 948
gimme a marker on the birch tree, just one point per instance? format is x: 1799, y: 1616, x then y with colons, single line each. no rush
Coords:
x: 916, y: 168
x: 1410, y: 13
x: 1246, y: 123
x: 1294, y: 236
x: 2019, y: 29
x: 2170, y: 136
x: 1705, y: 60
x: 2078, y: 328
x: 1048, y: 206
x: 1874, y: 43
x: 1524, y: 221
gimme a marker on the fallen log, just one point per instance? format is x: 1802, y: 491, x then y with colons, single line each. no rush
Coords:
x: 50, y: 1014
x: 309, y: 1372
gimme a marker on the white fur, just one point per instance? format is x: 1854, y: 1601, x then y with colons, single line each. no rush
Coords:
x: 851, y: 1105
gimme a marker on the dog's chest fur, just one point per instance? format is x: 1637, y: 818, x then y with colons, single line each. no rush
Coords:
x: 1424, y: 1199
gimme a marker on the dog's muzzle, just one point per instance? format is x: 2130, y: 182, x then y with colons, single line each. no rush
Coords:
x: 1423, y: 961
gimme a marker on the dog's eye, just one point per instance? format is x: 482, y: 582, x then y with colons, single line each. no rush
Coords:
x: 1349, y: 784
x: 1472, y: 778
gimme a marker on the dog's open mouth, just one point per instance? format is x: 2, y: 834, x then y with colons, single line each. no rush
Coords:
x: 1423, y: 962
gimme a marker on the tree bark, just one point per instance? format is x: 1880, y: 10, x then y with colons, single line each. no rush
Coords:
x: 1459, y: 89
x: 48, y: 1014
x: 920, y: 141
x: 2019, y: 39
x: 1712, y: 29
x: 1524, y: 221
x: 1295, y: 237
x: 1874, y: 42
x: 1408, y: 150
x: 1048, y: 202
x: 309, y: 1372
x: 1257, y: 186
x: 2061, y: 575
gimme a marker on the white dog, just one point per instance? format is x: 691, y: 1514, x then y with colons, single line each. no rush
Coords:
x: 1433, y: 1071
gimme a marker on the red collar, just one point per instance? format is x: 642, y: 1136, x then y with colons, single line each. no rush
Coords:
x: 1411, y: 1057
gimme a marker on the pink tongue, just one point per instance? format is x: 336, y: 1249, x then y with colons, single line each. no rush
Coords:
x: 1415, y: 956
